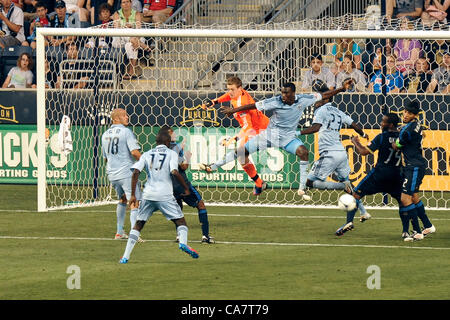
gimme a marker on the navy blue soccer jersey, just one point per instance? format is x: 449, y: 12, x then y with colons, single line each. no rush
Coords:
x: 410, y: 139
x: 179, y: 150
x: 387, y: 156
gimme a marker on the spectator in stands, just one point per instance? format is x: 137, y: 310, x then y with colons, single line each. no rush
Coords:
x: 407, y: 51
x: 78, y: 7
x: 41, y: 21
x: 419, y: 80
x: 29, y: 10
x: 60, y: 20
x: 434, y: 49
x: 393, y: 80
x: 105, y: 18
x: 376, y: 79
x: 51, y: 77
x: 372, y: 60
x: 72, y: 78
x: 410, y: 9
x: 341, y: 49
x: 94, y: 9
x: 156, y: 11
x: 436, y: 11
x: 12, y: 32
x: 21, y: 76
x: 317, y: 71
x: 351, y: 72
x: 441, y: 76
x: 126, y: 17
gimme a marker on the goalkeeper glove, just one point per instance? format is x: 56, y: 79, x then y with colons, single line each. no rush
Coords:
x: 208, y: 104
x: 227, y: 141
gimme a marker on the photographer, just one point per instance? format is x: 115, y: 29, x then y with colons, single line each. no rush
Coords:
x: 12, y: 32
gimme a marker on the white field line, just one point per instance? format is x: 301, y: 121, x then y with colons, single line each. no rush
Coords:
x: 239, y: 243
x: 240, y: 215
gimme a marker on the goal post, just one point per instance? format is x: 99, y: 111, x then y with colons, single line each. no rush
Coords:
x: 189, y: 64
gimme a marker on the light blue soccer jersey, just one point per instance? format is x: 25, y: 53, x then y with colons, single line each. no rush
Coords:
x: 285, y: 118
x: 332, y: 120
x: 117, y: 143
x: 158, y: 163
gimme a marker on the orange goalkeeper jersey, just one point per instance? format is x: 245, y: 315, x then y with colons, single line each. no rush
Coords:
x: 251, y: 121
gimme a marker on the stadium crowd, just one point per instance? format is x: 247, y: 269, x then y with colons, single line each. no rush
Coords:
x: 411, y: 66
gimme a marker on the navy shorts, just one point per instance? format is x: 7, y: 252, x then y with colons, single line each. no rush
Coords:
x: 381, y: 180
x: 191, y: 200
x: 412, y: 179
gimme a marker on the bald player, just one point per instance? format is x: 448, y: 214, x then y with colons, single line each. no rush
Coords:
x: 120, y: 149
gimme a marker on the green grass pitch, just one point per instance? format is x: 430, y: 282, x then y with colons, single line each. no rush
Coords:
x: 261, y: 253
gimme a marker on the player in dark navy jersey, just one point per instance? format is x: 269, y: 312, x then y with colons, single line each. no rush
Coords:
x: 194, y: 199
x: 386, y: 176
x: 409, y: 143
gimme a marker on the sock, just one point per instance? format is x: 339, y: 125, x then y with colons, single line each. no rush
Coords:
x: 121, y: 211
x: 230, y: 156
x: 133, y: 216
x: 250, y: 169
x: 405, y: 219
x: 203, y: 218
x: 182, y: 232
x: 303, y: 174
x: 351, y: 214
x: 132, y: 239
x: 412, y: 214
x: 422, y: 215
x: 360, y: 206
x: 318, y: 184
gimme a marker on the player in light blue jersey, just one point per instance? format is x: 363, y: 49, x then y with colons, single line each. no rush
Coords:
x: 328, y: 121
x: 160, y: 164
x: 287, y: 110
x: 120, y: 149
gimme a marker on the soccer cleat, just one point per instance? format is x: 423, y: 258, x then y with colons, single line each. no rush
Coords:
x: 208, y: 240
x: 346, y: 227
x: 123, y: 260
x: 119, y: 236
x: 415, y: 236
x: 405, y: 235
x: 428, y: 231
x: 258, y: 190
x: 177, y: 239
x: 188, y: 250
x: 303, y: 194
x: 348, y: 187
x: 365, y: 217
x: 205, y: 167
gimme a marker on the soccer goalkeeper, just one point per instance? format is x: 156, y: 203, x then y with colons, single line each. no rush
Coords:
x: 252, y: 122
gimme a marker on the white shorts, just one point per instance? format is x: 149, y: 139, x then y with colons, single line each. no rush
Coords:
x: 269, y: 139
x: 170, y: 209
x: 329, y: 162
x: 123, y: 186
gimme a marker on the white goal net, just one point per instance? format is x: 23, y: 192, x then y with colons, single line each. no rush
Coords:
x: 162, y: 75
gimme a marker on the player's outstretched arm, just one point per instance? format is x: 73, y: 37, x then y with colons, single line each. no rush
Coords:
x: 362, y: 150
x: 230, y: 111
x: 330, y: 93
x: 180, y: 179
x: 134, y: 179
x: 313, y: 129
x: 359, y: 130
